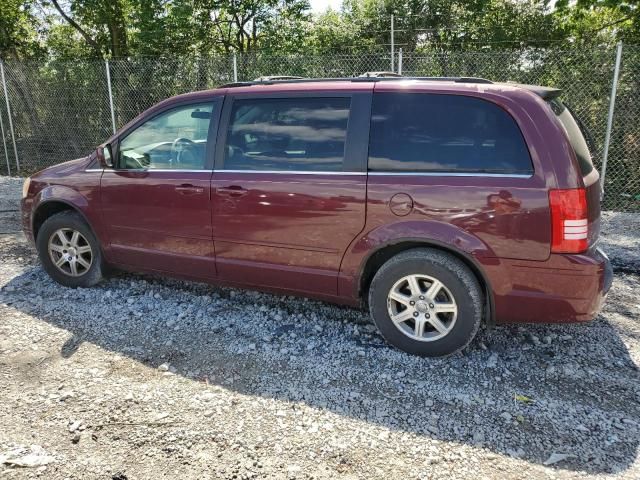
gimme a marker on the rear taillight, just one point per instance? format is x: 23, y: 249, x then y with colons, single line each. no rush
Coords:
x: 569, y: 221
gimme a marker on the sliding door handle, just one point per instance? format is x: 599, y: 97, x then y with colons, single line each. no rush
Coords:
x: 232, y: 191
x: 188, y: 189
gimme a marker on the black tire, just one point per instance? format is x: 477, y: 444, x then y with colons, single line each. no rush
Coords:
x: 460, y: 282
x: 69, y: 220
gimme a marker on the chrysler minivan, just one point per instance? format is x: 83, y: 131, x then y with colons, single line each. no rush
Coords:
x: 438, y: 203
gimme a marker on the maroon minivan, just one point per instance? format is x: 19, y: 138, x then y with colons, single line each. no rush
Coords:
x: 438, y: 202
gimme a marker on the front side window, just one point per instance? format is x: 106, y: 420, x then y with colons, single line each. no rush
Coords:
x: 444, y: 133
x: 287, y: 134
x: 175, y: 139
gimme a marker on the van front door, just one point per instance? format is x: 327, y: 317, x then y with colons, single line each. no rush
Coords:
x: 156, y: 202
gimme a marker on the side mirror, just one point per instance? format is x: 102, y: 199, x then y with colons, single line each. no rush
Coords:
x: 103, y: 154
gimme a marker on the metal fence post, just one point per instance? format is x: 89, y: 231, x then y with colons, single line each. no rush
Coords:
x: 612, y: 103
x: 235, y: 68
x: 400, y: 62
x: 13, y: 135
x: 4, y: 143
x: 113, y: 112
x: 392, y: 44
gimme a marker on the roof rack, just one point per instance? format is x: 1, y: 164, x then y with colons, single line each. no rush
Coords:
x: 380, y: 75
x: 274, y: 80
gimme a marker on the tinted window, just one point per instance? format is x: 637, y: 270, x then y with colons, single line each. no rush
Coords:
x: 444, y: 133
x: 576, y: 133
x: 303, y: 134
x: 175, y: 139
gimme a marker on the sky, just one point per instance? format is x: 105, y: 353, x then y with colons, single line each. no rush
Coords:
x: 319, y: 6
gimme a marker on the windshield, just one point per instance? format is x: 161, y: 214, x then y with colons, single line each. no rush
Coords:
x: 576, y: 133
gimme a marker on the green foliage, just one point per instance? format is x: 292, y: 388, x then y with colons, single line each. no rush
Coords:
x: 608, y: 18
x: 125, y: 28
x: 18, y: 29
x: 436, y: 25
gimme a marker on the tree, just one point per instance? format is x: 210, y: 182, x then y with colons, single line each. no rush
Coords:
x: 437, y: 25
x: 238, y: 25
x: 506, y: 24
x: 335, y: 32
x: 101, y: 24
x: 118, y: 28
x: 18, y: 34
x: 618, y: 18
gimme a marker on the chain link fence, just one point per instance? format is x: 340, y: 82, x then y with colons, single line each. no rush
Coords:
x: 62, y: 110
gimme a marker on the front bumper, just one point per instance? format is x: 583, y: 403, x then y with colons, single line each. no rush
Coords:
x: 25, y: 214
x: 608, y: 273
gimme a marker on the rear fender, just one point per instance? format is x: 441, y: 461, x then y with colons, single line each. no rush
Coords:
x: 443, y: 236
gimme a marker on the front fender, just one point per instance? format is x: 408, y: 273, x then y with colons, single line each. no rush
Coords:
x: 61, y: 193
x: 81, y: 203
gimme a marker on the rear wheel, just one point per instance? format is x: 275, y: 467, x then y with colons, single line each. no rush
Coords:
x: 426, y: 302
x: 69, y: 251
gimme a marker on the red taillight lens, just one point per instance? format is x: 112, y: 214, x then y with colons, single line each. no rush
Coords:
x: 569, y: 221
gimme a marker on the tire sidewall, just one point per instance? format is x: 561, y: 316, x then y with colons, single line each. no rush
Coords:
x: 74, y: 221
x: 463, y: 287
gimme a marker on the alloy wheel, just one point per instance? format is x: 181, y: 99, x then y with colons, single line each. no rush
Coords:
x: 422, y: 307
x: 70, y: 252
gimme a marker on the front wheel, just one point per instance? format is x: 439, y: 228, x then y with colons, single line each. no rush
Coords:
x: 426, y: 302
x: 69, y: 251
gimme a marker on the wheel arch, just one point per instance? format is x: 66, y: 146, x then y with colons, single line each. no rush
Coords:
x: 375, y: 259
x: 48, y: 208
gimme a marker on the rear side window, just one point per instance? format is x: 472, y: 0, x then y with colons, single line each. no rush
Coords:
x: 287, y: 134
x: 576, y: 133
x: 444, y: 133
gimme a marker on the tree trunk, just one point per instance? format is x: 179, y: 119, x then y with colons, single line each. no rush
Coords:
x: 118, y: 31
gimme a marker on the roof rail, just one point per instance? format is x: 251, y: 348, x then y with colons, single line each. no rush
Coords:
x: 454, y: 79
x: 238, y: 84
x: 357, y: 79
x: 273, y: 78
x: 380, y: 75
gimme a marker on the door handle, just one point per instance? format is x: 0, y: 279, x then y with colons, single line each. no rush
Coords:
x: 232, y: 191
x: 188, y: 189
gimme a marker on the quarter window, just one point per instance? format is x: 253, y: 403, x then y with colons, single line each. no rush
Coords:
x: 287, y: 134
x: 444, y: 133
x: 175, y: 139
x: 577, y: 133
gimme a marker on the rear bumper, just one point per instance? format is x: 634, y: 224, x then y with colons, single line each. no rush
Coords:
x: 564, y: 288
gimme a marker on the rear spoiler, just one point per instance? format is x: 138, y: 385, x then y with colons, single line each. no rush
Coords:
x: 546, y: 93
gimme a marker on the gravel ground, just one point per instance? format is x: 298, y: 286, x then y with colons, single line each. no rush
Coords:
x: 144, y: 377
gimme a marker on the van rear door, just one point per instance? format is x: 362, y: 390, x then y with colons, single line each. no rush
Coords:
x: 289, y: 187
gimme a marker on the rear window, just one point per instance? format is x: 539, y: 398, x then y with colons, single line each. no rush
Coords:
x: 577, y: 134
x: 415, y: 132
